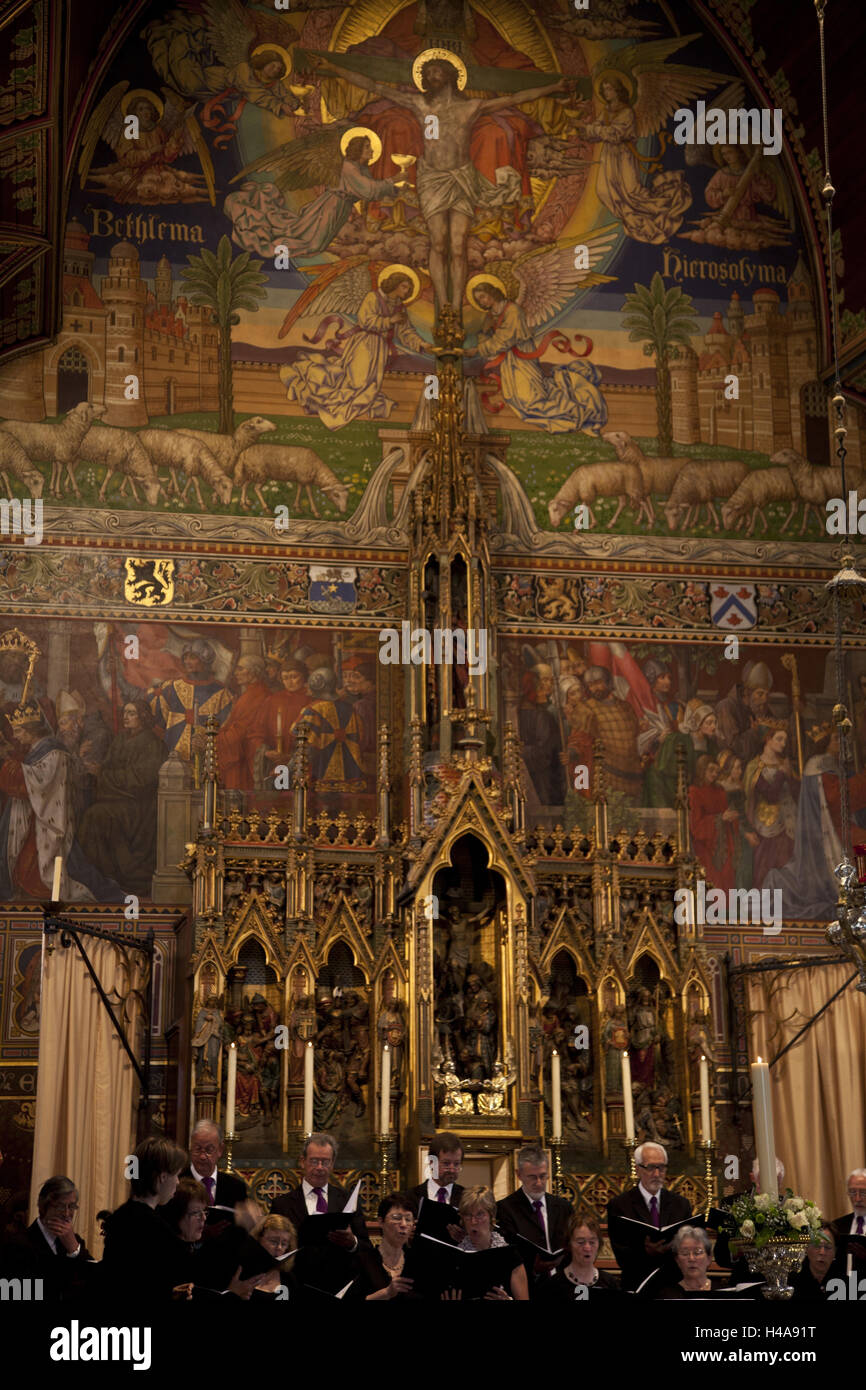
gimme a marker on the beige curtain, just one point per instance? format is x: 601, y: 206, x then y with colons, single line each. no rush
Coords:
x: 819, y: 1086
x: 87, y: 1089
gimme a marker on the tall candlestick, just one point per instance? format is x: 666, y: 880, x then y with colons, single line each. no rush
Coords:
x: 231, y: 1088
x: 58, y: 874
x: 627, y: 1102
x: 279, y: 731
x: 556, y: 1095
x: 705, y: 1101
x: 385, y: 1112
x: 765, y: 1139
x: 308, y: 1088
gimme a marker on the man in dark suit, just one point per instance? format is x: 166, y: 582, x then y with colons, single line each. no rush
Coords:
x: 206, y: 1148
x: 326, y: 1267
x: 51, y: 1249
x: 635, y: 1251
x: 531, y: 1212
x: 849, y: 1231
x: 445, y: 1159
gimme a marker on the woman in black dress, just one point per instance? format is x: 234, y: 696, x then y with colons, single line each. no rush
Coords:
x: 379, y: 1272
x: 576, y: 1278
x: 692, y: 1249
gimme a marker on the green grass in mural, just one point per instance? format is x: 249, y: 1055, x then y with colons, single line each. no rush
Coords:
x: 543, y: 462
x: 353, y: 454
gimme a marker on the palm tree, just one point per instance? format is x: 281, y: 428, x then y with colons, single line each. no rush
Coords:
x: 224, y: 285
x: 660, y: 319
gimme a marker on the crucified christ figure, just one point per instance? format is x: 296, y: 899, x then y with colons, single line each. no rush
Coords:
x: 450, y: 188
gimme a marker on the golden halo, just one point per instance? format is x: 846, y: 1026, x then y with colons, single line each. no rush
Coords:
x: 483, y: 280
x: 623, y: 77
x: 137, y: 92
x: 275, y: 48
x: 404, y: 270
x: 447, y: 56
x: 371, y: 136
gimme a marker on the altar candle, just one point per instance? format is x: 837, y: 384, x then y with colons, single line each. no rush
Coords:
x: 765, y: 1139
x: 58, y: 874
x: 556, y: 1095
x: 385, y: 1112
x: 279, y: 731
x: 627, y: 1103
x: 308, y: 1088
x: 705, y: 1101
x: 231, y: 1088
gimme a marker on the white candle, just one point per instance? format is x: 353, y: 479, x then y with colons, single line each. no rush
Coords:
x: 308, y: 1088
x: 706, y: 1134
x: 627, y: 1103
x: 231, y: 1088
x: 556, y: 1095
x: 385, y: 1111
x: 765, y: 1139
x: 58, y: 874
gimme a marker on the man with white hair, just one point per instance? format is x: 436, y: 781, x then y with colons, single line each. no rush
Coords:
x: 850, y: 1229
x: 637, y: 1251
x: 224, y: 1190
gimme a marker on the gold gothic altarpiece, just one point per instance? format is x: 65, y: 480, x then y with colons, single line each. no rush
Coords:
x: 474, y: 947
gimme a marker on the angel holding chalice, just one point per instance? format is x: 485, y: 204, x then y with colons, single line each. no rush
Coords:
x: 337, y: 156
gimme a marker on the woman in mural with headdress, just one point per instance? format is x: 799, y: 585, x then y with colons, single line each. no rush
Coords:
x: 696, y: 734
x: 771, y: 804
x: 349, y: 384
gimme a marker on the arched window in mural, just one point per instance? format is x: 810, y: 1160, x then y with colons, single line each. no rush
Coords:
x: 73, y: 379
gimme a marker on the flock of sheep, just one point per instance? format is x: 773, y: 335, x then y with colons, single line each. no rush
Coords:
x: 223, y: 462
x: 226, y: 462
x: 690, y: 484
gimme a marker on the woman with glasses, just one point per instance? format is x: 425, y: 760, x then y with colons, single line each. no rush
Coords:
x: 576, y: 1277
x: 692, y: 1249
x: 379, y: 1273
x: 478, y: 1215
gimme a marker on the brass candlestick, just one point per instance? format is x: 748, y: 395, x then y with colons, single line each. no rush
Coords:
x: 231, y: 1139
x: 706, y: 1146
x: 556, y: 1147
x: 630, y: 1146
x: 383, y: 1148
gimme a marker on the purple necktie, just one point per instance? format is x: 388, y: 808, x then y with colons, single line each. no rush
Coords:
x: 859, y: 1225
x: 442, y: 1195
x: 210, y: 1185
x: 321, y: 1204
x: 536, y: 1207
x: 654, y: 1212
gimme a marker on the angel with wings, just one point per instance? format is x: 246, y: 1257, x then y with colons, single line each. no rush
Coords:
x: 638, y: 97
x: 145, y: 169
x: 558, y: 398
x: 337, y: 157
x: 344, y: 379
x: 744, y: 178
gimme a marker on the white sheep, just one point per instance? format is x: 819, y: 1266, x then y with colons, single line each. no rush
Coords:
x: 14, y: 460
x: 182, y: 453
x: 287, y: 463
x: 227, y: 447
x: 56, y: 444
x: 120, y: 452
x: 815, y: 484
x: 594, y: 480
x: 658, y: 474
x: 759, y: 487
x: 696, y: 486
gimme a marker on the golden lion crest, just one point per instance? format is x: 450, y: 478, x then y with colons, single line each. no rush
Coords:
x: 149, y: 582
